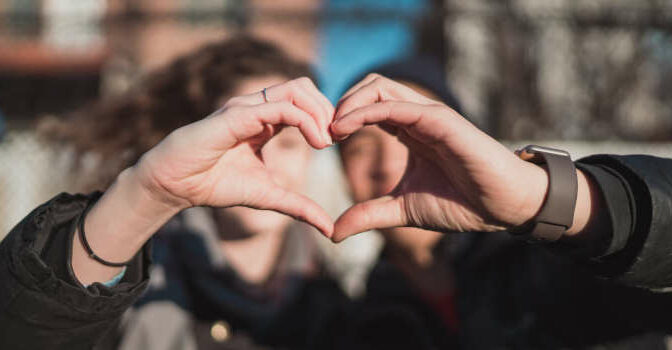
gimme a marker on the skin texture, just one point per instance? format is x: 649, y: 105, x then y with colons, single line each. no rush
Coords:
x: 213, y: 162
x: 457, y: 178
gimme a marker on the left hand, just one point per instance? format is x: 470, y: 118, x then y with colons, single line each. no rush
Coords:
x: 217, y: 161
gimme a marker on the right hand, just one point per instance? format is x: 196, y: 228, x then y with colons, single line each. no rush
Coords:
x: 217, y: 161
x: 457, y: 177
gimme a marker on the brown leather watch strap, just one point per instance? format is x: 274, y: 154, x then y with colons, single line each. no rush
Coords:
x: 557, y: 212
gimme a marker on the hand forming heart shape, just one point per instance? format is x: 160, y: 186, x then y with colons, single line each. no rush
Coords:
x: 457, y: 177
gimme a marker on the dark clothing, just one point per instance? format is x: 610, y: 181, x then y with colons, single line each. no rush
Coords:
x: 44, y: 307
x: 512, y: 294
x: 293, y: 308
x: 394, y: 315
x: 641, y: 244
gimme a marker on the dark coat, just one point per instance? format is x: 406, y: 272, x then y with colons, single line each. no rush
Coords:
x: 512, y: 294
x: 42, y: 306
x: 47, y: 308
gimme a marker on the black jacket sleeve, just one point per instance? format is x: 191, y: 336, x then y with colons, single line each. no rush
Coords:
x: 638, y: 194
x: 42, y: 306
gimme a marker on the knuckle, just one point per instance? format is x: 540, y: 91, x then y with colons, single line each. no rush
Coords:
x: 174, y: 135
x: 381, y: 81
x: 294, y: 84
x: 304, y: 81
x: 295, y: 89
x: 234, y: 101
x: 373, y: 76
x: 236, y: 110
x: 285, y: 104
x: 284, y: 107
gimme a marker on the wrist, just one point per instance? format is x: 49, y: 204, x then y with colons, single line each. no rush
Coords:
x: 534, y: 184
x: 153, y: 190
x: 537, y: 182
x: 128, y: 212
x: 586, y: 198
x: 117, y: 227
x: 148, y: 205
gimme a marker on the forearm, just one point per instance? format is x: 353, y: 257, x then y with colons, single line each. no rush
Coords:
x: 118, y: 225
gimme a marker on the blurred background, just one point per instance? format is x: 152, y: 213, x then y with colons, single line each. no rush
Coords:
x: 586, y: 76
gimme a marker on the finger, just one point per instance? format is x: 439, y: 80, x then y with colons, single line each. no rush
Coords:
x: 300, y: 92
x: 323, y: 101
x: 243, y: 123
x: 259, y: 140
x: 369, y: 78
x: 383, y: 212
x: 299, y: 207
x: 430, y: 122
x: 379, y: 89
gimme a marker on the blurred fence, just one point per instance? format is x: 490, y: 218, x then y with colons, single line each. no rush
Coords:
x: 563, y: 69
x: 524, y: 69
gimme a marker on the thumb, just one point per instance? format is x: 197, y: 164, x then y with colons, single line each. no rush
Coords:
x: 298, y: 207
x: 383, y: 212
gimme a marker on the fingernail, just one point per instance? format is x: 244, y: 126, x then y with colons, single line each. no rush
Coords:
x: 327, y: 139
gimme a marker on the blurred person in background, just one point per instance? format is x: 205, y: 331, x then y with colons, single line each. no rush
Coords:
x: 410, y: 292
x: 483, y: 291
x: 221, y: 278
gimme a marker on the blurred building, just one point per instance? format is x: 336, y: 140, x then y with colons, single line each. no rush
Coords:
x: 39, y: 53
x: 563, y: 69
x: 56, y: 55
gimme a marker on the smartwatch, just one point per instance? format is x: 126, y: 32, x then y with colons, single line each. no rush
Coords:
x: 557, y: 213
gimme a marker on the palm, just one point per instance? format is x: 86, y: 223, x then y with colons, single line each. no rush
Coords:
x: 430, y: 201
x: 237, y: 176
x: 442, y: 197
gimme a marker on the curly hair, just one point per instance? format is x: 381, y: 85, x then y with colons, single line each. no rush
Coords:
x: 117, y: 131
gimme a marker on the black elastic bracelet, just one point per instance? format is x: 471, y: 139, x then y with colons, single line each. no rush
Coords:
x: 85, y: 243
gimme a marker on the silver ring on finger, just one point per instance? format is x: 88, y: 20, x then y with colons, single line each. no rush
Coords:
x: 263, y: 93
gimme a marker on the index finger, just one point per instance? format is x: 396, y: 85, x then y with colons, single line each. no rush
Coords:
x: 431, y: 121
x: 378, y: 89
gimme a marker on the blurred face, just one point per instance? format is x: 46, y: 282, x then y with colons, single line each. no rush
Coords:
x: 374, y: 162
x: 287, y: 158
